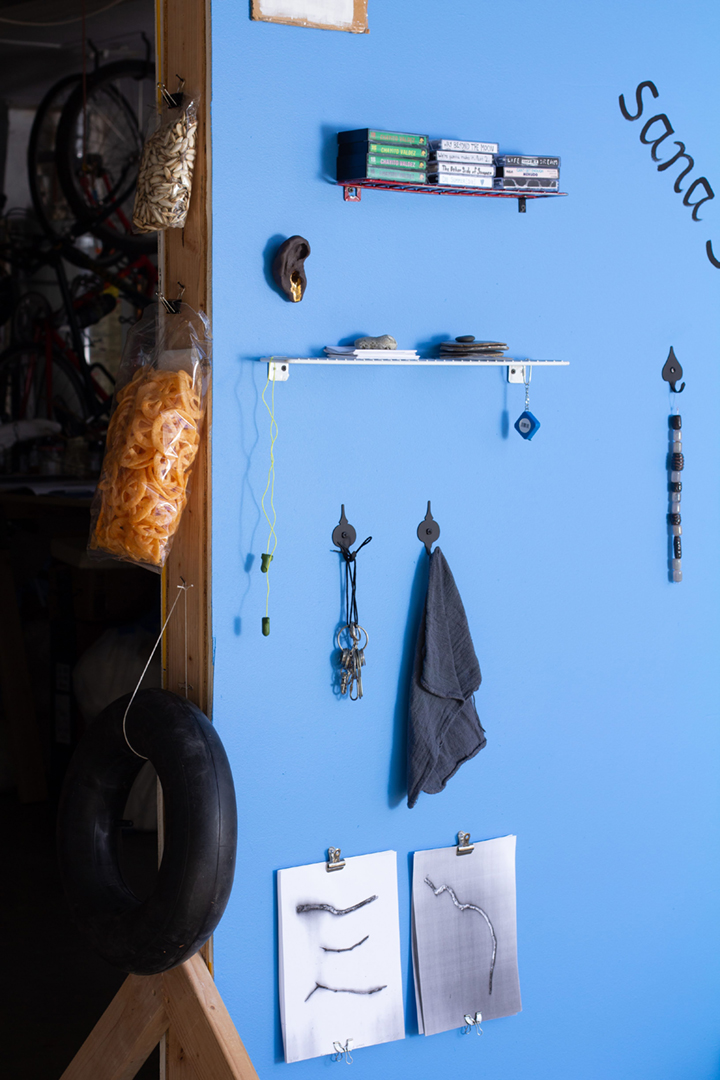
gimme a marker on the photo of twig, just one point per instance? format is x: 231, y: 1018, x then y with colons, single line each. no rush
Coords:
x: 348, y: 948
x: 470, y: 907
x: 343, y: 990
x: 339, y: 956
x: 302, y: 908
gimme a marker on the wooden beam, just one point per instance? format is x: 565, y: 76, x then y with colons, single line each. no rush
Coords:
x: 126, y: 1033
x: 202, y: 1026
x: 183, y: 48
x: 185, y: 257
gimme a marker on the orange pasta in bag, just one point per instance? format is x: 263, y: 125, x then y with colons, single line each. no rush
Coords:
x: 152, y: 442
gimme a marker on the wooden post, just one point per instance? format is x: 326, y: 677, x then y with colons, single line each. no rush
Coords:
x: 183, y: 49
x: 125, y: 1034
x: 203, y: 1026
x: 183, y: 1002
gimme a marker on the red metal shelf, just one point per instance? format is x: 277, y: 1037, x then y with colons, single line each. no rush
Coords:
x: 351, y: 192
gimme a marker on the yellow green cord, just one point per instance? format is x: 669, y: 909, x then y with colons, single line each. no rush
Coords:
x: 272, y: 535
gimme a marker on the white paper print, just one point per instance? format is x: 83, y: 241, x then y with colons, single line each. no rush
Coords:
x: 464, y: 935
x: 338, y: 13
x: 339, y: 956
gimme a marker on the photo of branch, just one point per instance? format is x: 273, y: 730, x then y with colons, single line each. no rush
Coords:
x: 470, y: 907
x: 302, y: 908
x: 339, y: 972
x: 464, y: 935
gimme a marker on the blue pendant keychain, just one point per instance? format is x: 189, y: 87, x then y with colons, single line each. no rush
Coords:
x: 527, y: 424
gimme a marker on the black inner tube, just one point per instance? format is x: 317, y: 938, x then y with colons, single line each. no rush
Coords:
x: 144, y: 937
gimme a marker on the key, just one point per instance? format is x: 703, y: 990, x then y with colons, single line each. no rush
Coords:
x: 357, y: 671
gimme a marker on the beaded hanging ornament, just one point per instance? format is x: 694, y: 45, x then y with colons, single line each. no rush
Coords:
x: 672, y: 374
x: 677, y: 464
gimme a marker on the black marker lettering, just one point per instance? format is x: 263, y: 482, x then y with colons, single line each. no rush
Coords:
x: 639, y: 100
x: 654, y: 143
x: 696, y: 206
x: 680, y: 154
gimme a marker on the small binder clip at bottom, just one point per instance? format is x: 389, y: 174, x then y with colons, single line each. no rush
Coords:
x: 472, y: 1022
x: 342, y: 1052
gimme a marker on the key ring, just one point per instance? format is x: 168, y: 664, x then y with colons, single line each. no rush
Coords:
x: 354, y: 639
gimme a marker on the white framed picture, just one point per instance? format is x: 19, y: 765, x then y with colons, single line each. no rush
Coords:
x: 350, y: 15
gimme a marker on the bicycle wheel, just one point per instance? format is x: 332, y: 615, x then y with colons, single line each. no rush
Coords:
x: 98, y: 149
x: 31, y: 391
x: 52, y: 210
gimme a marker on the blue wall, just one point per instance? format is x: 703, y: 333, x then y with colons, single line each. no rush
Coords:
x: 599, y: 690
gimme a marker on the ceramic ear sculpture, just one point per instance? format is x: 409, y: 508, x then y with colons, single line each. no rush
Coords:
x: 288, y: 267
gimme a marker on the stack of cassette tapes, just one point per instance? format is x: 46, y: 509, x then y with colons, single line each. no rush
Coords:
x: 371, y: 154
x: 527, y: 173
x: 458, y: 163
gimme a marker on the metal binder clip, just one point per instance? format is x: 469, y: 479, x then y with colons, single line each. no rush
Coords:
x: 173, y: 101
x: 172, y: 306
x: 342, y: 1052
x: 464, y: 847
x: 472, y: 1022
x: 334, y: 862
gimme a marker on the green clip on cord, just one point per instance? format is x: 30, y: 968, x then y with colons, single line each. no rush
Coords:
x: 265, y: 566
x: 267, y: 556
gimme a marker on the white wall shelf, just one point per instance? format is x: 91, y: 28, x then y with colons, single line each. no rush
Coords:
x: 279, y: 366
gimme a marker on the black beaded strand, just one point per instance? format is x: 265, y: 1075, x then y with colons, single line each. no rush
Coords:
x: 676, y: 464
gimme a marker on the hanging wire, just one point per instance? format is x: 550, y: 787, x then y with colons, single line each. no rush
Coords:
x: 184, y: 588
x: 267, y: 556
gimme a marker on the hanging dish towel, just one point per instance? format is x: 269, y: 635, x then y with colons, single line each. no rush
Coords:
x: 444, y: 729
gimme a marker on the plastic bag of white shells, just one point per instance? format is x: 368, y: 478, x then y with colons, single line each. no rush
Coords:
x: 164, y: 185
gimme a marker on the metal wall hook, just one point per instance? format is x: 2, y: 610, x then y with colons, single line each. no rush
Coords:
x: 344, y: 535
x: 672, y: 372
x: 428, y: 530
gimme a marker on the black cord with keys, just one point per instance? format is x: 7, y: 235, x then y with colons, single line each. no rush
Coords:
x: 352, y: 655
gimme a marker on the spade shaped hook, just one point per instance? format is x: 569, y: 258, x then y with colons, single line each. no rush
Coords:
x: 672, y: 372
x: 428, y: 531
x: 343, y: 534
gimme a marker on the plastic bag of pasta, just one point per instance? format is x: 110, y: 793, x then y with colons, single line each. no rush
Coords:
x: 164, y: 184
x: 153, y: 436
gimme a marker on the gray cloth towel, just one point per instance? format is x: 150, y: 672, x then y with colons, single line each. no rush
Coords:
x: 444, y: 729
